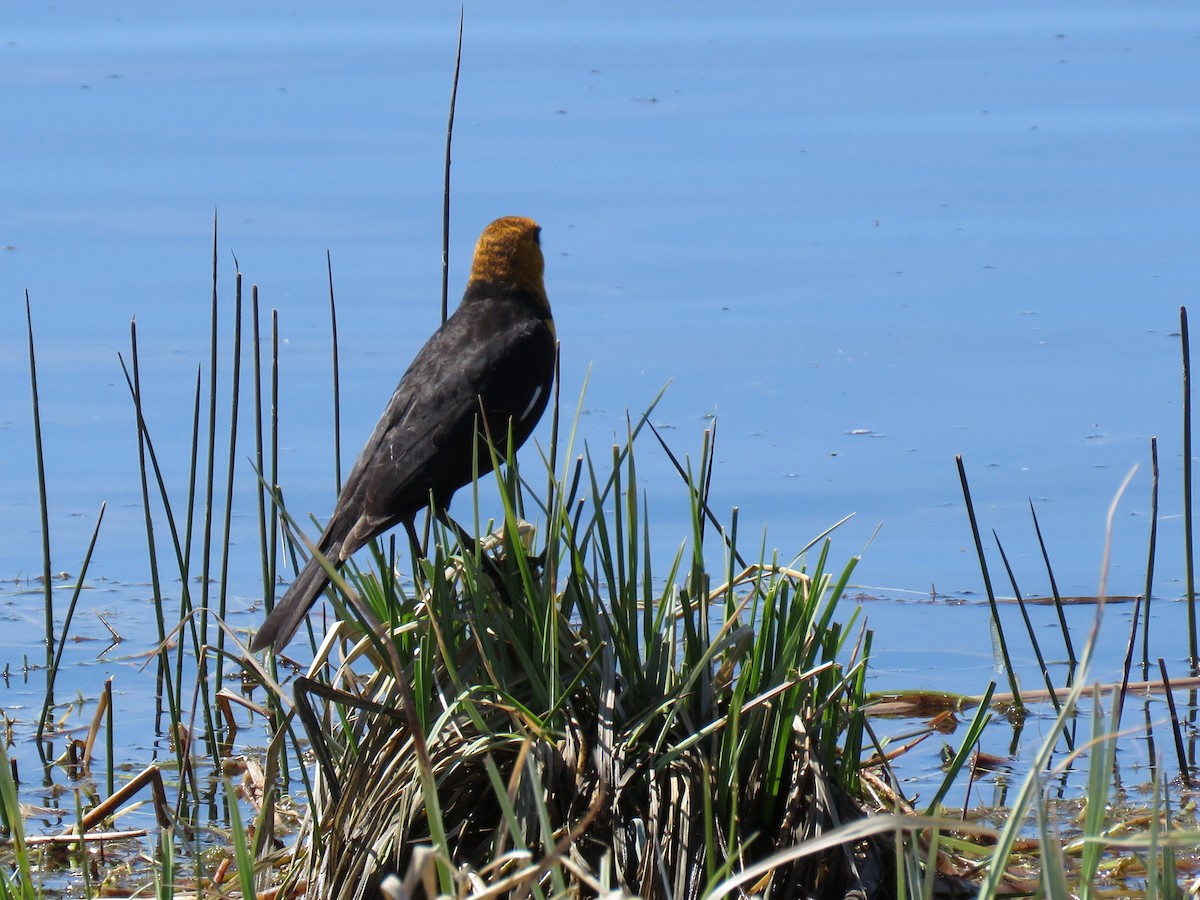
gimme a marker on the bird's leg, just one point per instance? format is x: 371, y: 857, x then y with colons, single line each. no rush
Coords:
x: 464, y: 537
x: 513, y: 544
x: 536, y: 561
x: 415, y: 548
x: 467, y: 541
x: 490, y: 565
x: 414, y: 542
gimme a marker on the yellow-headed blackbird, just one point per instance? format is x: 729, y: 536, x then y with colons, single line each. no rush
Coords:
x: 490, y: 366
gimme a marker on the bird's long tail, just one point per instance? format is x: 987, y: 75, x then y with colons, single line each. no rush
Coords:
x: 281, y: 625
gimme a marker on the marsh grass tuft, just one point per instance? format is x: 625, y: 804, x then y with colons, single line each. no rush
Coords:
x: 592, y: 723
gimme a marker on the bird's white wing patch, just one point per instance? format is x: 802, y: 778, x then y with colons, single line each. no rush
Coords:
x: 537, y: 394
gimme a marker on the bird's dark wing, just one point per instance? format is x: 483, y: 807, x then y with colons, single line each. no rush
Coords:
x: 501, y: 355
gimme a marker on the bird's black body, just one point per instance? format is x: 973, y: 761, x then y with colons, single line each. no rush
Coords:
x: 488, y: 368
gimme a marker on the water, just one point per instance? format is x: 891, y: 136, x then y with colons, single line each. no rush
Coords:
x: 866, y: 237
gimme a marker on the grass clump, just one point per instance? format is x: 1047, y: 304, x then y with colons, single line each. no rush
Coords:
x: 589, y: 725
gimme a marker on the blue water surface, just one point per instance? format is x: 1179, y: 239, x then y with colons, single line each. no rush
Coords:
x: 865, y: 237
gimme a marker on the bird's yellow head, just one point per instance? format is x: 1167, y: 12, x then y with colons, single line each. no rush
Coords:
x: 510, y: 252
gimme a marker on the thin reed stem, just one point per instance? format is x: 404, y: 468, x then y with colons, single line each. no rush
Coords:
x: 1037, y: 650
x: 1128, y: 663
x: 110, y: 777
x: 1150, y: 554
x: 264, y: 531
x: 446, y: 174
x: 1058, y: 604
x: 275, y: 511
x: 184, y: 554
x: 1189, y: 559
x: 337, y: 382
x: 135, y: 385
x: 1176, y: 731
x: 234, y: 405
x: 168, y: 689
x: 210, y: 475
x: 68, y: 617
x: 44, y: 508
x: 987, y: 584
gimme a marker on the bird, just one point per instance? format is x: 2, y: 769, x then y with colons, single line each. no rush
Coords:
x: 486, y: 373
